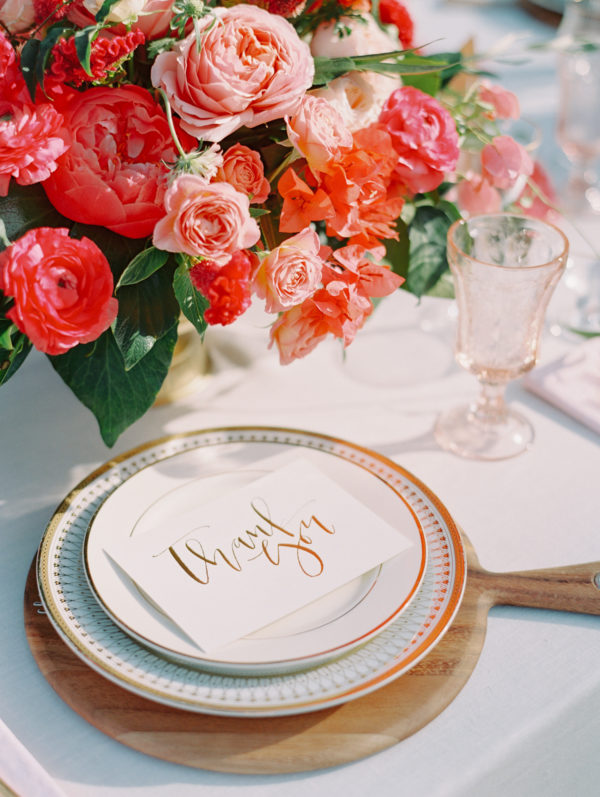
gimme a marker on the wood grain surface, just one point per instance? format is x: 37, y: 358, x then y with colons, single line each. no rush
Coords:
x: 319, y: 739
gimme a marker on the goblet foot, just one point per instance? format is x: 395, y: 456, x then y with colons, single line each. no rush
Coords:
x: 461, y: 431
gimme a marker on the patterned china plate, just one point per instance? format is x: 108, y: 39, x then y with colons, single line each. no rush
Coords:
x: 90, y: 632
x: 164, y: 491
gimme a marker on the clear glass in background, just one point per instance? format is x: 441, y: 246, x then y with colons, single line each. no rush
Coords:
x: 505, y: 268
x: 578, y: 127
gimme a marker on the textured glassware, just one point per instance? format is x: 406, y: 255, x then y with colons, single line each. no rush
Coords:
x: 578, y: 129
x: 505, y: 268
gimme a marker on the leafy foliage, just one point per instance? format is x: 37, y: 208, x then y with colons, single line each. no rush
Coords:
x: 116, y: 396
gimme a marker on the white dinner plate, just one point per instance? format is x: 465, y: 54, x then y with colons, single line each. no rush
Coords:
x: 91, y: 633
x: 172, y: 486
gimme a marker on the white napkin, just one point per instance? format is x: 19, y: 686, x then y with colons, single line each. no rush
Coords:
x: 572, y: 383
x: 20, y: 772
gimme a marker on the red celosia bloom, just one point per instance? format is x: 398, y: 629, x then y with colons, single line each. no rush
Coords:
x: 285, y: 8
x: 62, y: 289
x: 301, y: 204
x: 51, y: 10
x: 106, y: 54
x: 394, y: 12
x: 227, y: 287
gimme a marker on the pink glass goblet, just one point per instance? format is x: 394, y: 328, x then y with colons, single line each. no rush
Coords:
x: 505, y: 268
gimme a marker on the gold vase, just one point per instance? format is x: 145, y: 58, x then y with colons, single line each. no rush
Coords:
x: 190, y: 366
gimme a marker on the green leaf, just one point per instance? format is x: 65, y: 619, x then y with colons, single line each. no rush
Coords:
x: 27, y: 207
x: 143, y: 266
x: 29, y: 56
x: 147, y: 310
x: 83, y: 47
x: 398, y: 252
x: 96, y: 374
x: 393, y: 63
x: 427, y: 235
x: 14, y: 348
x: 119, y: 251
x: 193, y: 304
x: 256, y: 212
x: 105, y: 10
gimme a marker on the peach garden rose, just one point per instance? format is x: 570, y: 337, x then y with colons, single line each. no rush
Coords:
x: 317, y: 130
x: 290, y: 273
x: 252, y: 68
x: 208, y: 220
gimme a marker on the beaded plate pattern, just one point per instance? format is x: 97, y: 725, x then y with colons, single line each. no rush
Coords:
x: 95, y: 638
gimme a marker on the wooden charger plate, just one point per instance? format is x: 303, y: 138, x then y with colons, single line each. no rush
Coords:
x: 319, y: 739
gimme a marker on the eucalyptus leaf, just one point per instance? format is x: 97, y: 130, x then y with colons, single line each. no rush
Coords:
x: 147, y: 310
x: 193, y: 304
x: 96, y: 374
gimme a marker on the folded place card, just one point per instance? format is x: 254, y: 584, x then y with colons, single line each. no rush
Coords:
x: 253, y: 556
x: 572, y: 383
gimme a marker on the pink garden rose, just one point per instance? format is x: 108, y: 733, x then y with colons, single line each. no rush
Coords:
x: 318, y: 132
x: 210, y: 220
x: 475, y: 194
x: 290, y: 273
x: 114, y: 174
x: 505, y: 104
x: 243, y: 169
x: 252, y: 68
x: 17, y: 15
x: 62, y: 289
x: 504, y: 161
x: 424, y: 136
x: 298, y: 331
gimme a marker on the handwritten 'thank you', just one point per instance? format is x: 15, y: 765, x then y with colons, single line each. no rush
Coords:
x: 223, y: 569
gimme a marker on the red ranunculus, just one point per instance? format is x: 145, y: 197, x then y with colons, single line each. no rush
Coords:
x: 114, y: 174
x: 62, y: 289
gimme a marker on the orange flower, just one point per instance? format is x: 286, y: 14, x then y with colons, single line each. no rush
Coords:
x: 301, y: 204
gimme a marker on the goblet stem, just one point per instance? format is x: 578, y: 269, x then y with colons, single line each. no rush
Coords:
x: 490, y: 407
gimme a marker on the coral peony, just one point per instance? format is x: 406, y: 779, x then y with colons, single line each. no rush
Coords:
x: 120, y: 143
x: 424, y: 136
x: 290, y: 273
x: 504, y: 161
x: 243, y: 169
x: 32, y: 139
x: 210, y: 220
x: 62, y: 289
x: 318, y: 132
x: 252, y: 68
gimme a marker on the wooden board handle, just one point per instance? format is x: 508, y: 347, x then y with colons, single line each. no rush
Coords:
x: 568, y: 589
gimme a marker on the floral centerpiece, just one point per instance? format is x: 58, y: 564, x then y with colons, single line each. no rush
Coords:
x: 162, y: 158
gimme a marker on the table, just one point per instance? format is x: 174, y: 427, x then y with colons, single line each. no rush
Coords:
x: 528, y: 720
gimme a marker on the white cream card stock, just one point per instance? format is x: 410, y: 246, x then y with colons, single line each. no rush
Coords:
x: 238, y: 563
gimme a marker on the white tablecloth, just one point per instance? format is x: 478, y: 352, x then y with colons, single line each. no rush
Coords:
x: 528, y: 720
